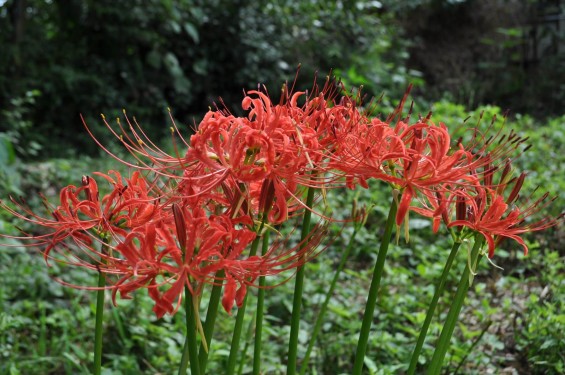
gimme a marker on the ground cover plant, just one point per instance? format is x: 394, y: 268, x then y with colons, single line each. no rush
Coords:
x: 186, y: 226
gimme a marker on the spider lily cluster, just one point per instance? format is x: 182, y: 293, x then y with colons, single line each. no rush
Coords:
x: 194, y: 218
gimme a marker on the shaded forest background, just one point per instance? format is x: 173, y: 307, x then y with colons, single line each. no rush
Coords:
x: 61, y: 58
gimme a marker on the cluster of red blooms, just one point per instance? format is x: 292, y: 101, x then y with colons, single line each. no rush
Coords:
x: 190, y: 220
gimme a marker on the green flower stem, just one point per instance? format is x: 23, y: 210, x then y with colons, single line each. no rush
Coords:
x: 210, y: 323
x: 260, y: 314
x: 98, y: 327
x: 298, y: 288
x: 184, y: 359
x: 374, y: 291
x: 191, y: 345
x: 243, y: 353
x: 329, y: 293
x: 234, y: 348
x: 454, y: 310
x: 432, y: 307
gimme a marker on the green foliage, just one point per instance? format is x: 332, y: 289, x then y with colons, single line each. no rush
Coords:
x: 9, y: 178
x: 541, y: 340
x: 19, y: 126
x: 101, y: 56
x: 94, y: 57
x: 513, y: 317
x: 17, y: 139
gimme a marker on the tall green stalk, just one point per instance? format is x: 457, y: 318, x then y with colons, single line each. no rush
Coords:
x: 374, y: 291
x: 298, y: 289
x: 329, y: 293
x: 98, y: 327
x: 454, y: 310
x: 190, y: 351
x: 243, y: 353
x: 432, y: 307
x: 260, y: 314
x: 236, y: 337
x: 211, y: 314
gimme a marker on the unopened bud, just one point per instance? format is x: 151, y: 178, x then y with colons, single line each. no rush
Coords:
x: 267, y: 197
x: 180, y: 225
x: 442, y: 208
x: 517, y: 186
x: 460, y: 208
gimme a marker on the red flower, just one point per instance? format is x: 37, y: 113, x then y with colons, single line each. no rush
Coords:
x: 281, y: 143
x: 432, y: 162
x: 490, y: 214
x: 82, y: 216
x: 435, y: 205
x: 187, y: 248
x: 182, y: 249
x: 364, y: 148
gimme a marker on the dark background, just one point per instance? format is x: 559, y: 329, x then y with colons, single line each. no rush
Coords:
x: 60, y: 58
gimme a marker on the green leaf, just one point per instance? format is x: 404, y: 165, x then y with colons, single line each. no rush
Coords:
x: 371, y: 365
x: 153, y: 58
x: 7, y: 154
x: 192, y: 32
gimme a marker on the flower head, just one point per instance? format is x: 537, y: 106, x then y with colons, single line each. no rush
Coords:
x: 489, y: 213
x: 82, y: 216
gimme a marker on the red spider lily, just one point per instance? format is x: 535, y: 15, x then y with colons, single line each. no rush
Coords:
x: 445, y: 200
x: 435, y: 205
x: 411, y: 157
x: 432, y: 162
x: 155, y: 256
x: 271, y: 140
x: 165, y: 257
x: 82, y: 216
x: 490, y: 214
x: 364, y: 148
x: 285, y: 132
x: 280, y: 143
x: 283, y: 143
x: 231, y: 146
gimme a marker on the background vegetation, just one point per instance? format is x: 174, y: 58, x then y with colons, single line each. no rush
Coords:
x: 64, y: 57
